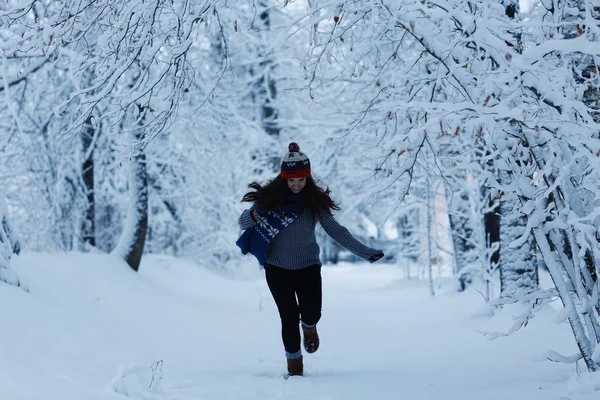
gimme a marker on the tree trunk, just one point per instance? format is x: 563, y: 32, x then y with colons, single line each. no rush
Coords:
x: 518, y: 264
x: 66, y: 216
x: 556, y: 272
x: 88, y: 225
x: 429, y: 238
x: 491, y: 222
x: 9, y: 245
x: 574, y: 17
x: 462, y: 231
x: 264, y: 87
x: 169, y: 238
x: 267, y: 90
x: 409, y: 239
x: 131, y: 243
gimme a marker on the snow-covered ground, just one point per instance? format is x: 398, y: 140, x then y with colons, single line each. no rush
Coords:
x: 89, y: 328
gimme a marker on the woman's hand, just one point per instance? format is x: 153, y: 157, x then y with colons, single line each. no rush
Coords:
x: 254, y: 215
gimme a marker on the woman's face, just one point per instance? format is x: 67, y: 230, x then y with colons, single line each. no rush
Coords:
x: 296, y: 184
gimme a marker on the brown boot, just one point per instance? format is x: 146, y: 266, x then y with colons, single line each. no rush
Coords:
x: 295, y: 366
x: 311, y: 339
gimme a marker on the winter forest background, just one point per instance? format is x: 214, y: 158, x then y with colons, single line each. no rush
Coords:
x: 462, y: 137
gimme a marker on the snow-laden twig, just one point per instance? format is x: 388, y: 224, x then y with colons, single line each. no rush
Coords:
x: 552, y: 355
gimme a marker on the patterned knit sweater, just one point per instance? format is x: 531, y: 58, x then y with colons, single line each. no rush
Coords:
x: 295, y: 247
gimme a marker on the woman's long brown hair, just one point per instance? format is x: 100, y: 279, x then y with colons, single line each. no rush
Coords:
x: 272, y: 196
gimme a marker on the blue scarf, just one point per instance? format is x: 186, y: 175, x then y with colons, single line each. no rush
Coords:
x: 256, y: 239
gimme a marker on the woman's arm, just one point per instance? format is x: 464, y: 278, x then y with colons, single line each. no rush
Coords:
x: 345, y: 239
x: 246, y: 220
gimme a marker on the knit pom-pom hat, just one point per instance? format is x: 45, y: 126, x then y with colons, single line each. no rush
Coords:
x: 295, y: 163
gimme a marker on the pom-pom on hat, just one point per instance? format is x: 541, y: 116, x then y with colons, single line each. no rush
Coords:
x: 295, y: 163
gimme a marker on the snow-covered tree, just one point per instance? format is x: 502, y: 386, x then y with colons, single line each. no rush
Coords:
x: 517, y: 264
x: 130, y: 246
x: 433, y: 67
x: 96, y: 50
x: 9, y: 245
x: 463, y: 233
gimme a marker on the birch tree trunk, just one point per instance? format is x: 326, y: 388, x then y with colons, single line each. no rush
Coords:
x: 586, y: 347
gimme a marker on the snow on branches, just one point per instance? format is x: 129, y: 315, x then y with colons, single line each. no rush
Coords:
x: 117, y: 55
x: 441, y: 83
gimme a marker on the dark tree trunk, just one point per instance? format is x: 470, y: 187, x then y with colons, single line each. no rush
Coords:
x: 491, y: 221
x: 88, y: 225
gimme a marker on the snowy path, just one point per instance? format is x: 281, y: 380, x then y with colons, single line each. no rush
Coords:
x: 380, y: 337
x: 384, y: 336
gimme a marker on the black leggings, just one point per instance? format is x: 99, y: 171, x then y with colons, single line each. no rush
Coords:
x: 285, y: 285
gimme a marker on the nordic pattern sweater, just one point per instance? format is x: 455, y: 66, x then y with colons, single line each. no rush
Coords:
x: 295, y: 247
